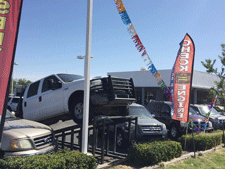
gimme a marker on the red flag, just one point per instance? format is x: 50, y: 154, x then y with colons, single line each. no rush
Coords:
x: 10, y: 11
x: 183, y: 79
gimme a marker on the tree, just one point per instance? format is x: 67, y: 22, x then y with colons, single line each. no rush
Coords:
x: 24, y: 82
x: 219, y: 90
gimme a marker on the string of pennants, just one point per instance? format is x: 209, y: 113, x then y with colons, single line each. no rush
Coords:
x: 151, y: 67
x: 140, y: 47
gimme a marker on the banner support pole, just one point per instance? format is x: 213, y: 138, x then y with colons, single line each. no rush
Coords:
x: 193, y: 141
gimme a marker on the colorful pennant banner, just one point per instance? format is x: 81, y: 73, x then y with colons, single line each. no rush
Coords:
x: 140, y: 47
x: 210, y: 107
x: 182, y: 79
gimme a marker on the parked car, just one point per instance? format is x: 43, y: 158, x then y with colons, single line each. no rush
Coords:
x: 148, y: 127
x: 162, y: 112
x: 13, y: 103
x: 219, y: 109
x: 24, y: 137
x: 215, y: 117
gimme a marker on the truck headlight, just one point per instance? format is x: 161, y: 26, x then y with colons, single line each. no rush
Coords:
x: 21, y: 144
x: 183, y: 124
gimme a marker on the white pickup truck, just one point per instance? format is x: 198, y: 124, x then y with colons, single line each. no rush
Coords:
x: 60, y: 96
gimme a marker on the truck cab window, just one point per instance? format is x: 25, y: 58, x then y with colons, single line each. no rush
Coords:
x: 48, y: 82
x: 33, y: 89
x: 165, y: 109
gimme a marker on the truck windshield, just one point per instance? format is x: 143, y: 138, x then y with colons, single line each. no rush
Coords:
x: 141, y: 112
x: 192, y: 111
x: 69, y: 77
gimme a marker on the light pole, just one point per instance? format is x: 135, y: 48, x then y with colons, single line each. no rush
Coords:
x: 87, y: 77
x: 15, y: 63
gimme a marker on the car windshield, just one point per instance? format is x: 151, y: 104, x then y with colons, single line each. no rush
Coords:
x: 69, y: 77
x: 141, y: 112
x: 8, y: 115
x: 205, y: 111
x: 192, y: 111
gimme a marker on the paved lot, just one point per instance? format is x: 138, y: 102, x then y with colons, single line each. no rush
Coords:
x: 61, y: 124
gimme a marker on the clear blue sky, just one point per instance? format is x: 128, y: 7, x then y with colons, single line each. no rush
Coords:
x: 52, y: 34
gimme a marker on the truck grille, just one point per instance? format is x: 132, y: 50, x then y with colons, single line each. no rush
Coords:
x: 151, y: 129
x: 43, y: 141
x: 200, y: 124
x: 221, y: 121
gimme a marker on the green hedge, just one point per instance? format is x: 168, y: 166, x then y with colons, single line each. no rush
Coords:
x: 203, y: 141
x: 152, y: 153
x: 62, y: 159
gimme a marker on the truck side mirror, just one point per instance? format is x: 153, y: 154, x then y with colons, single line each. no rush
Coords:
x: 57, y: 85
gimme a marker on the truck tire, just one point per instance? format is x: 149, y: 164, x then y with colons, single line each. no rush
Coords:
x: 19, y: 110
x: 2, y: 153
x: 77, y: 110
x: 174, y: 132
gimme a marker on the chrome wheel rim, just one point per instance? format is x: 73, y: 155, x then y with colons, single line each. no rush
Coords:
x: 78, y: 111
x: 119, y: 139
x: 173, y: 131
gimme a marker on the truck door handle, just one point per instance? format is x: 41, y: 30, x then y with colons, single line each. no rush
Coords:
x: 25, y: 104
x: 40, y: 99
x: 66, y: 88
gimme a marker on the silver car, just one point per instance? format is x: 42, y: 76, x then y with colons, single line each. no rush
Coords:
x: 24, y: 137
x: 215, y: 117
x: 13, y: 103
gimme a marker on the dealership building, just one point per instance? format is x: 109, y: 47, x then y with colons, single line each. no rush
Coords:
x: 147, y: 88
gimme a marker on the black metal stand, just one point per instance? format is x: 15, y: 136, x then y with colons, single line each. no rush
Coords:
x: 104, y: 124
x: 193, y: 141
x: 223, y: 135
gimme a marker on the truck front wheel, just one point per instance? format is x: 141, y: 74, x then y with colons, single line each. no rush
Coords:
x: 77, y: 110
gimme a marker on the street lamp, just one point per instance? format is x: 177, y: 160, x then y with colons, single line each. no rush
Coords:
x: 87, y: 77
x: 83, y: 57
x: 15, y: 63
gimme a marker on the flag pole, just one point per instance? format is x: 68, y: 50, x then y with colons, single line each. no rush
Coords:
x: 87, y: 77
x: 2, y: 120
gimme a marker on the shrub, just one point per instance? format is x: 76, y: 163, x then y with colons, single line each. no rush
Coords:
x: 62, y: 159
x: 152, y: 153
x: 203, y: 141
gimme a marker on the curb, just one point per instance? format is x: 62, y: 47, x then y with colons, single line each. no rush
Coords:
x: 112, y: 163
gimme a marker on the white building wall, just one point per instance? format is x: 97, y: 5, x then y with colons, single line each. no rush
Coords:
x: 146, y: 79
